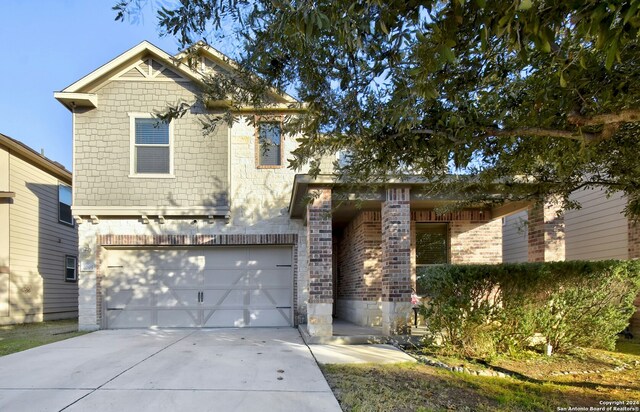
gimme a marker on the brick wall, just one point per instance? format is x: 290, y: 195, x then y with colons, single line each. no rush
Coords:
x: 396, y: 246
x: 474, y: 241
x: 319, y: 243
x: 546, y: 233
x: 359, y: 258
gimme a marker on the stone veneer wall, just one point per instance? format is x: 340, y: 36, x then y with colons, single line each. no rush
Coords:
x: 359, y: 284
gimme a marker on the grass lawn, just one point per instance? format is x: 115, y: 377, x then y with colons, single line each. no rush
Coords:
x: 16, y: 338
x: 417, y: 387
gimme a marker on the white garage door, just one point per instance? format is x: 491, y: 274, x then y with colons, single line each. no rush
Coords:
x: 214, y: 287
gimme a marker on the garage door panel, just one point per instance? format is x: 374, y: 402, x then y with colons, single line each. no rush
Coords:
x: 269, y: 258
x: 225, y: 318
x: 176, y: 298
x: 129, y: 318
x: 268, y: 277
x: 225, y: 258
x: 178, y: 318
x: 223, y: 277
x: 119, y: 297
x: 179, y: 277
x: 271, y: 297
x: 223, y: 297
x: 206, y: 287
x: 269, y: 317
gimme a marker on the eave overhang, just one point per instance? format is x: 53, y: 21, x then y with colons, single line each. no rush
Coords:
x: 421, y: 194
x: 73, y: 100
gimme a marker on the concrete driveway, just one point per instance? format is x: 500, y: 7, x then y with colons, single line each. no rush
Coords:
x: 167, y: 370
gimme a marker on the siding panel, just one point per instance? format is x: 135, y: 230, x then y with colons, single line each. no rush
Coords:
x: 38, y: 246
x: 514, y: 240
x: 599, y: 229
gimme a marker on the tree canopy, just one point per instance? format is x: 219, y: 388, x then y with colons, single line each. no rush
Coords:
x: 508, y: 91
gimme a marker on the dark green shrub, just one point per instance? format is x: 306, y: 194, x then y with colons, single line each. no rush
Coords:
x: 483, y: 309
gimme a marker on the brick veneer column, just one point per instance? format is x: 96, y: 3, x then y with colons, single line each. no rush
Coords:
x: 319, y: 256
x: 396, y: 262
x: 546, y: 232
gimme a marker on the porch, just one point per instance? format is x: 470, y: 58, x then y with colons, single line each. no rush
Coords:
x: 365, y: 245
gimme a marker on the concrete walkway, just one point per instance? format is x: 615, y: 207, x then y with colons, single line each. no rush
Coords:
x: 359, y: 354
x: 167, y: 370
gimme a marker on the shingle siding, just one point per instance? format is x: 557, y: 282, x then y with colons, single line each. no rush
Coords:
x: 102, y: 151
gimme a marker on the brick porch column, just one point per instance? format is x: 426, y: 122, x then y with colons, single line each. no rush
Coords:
x: 396, y: 262
x: 546, y: 232
x: 319, y: 259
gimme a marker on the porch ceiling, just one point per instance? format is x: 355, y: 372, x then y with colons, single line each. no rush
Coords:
x: 348, y: 199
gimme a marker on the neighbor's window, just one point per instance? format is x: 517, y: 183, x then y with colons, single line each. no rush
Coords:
x: 269, y: 144
x: 152, y: 147
x: 64, y: 204
x: 70, y: 268
x: 431, y: 249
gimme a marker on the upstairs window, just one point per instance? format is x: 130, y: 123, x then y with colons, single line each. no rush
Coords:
x: 64, y: 204
x: 269, y: 144
x: 151, y: 151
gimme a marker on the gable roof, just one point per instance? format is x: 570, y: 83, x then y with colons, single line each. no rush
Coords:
x: 227, y: 62
x: 52, y: 167
x: 81, y: 93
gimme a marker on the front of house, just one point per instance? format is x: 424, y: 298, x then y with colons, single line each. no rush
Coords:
x: 179, y: 229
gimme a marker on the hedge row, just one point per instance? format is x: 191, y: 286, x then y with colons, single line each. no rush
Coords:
x: 485, y: 309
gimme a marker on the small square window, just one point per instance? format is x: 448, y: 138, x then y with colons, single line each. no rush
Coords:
x: 70, y: 268
x: 64, y: 204
x: 269, y: 144
x: 152, y: 147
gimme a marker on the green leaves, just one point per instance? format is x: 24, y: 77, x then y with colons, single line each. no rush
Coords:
x: 481, y: 310
x: 497, y: 88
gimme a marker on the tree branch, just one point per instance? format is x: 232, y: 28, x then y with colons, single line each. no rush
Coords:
x: 540, y: 132
x: 625, y: 116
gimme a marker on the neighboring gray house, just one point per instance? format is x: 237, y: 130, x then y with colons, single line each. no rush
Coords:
x: 178, y: 229
x: 38, y: 237
x: 598, y: 230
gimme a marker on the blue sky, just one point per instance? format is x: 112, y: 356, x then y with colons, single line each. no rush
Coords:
x: 47, y: 45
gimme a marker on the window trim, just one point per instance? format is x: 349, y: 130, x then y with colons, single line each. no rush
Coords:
x: 268, y: 119
x: 132, y: 149
x: 72, y: 223
x: 75, y: 269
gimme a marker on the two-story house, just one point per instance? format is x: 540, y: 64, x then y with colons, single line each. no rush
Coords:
x: 38, y: 237
x: 179, y: 229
